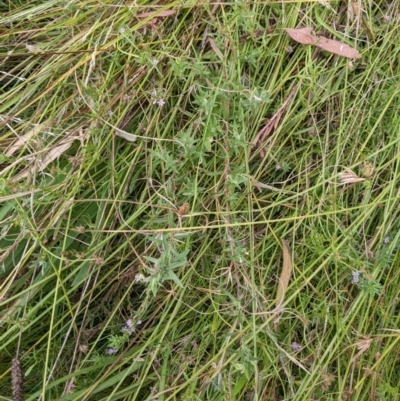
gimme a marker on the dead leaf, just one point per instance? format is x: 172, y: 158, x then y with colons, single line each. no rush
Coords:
x: 183, y: 209
x: 273, y: 122
x: 33, y: 49
x: 216, y: 49
x: 53, y: 154
x: 354, y: 11
x: 18, y: 195
x: 363, y: 345
x: 126, y: 135
x: 156, y: 14
x: 21, y: 140
x: 287, y: 267
x: 285, y: 273
x: 339, y: 48
x: 304, y: 37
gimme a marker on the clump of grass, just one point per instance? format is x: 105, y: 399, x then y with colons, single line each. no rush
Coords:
x: 141, y: 229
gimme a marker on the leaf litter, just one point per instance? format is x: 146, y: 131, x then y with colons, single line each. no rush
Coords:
x: 287, y: 267
x: 304, y: 37
x: 273, y: 122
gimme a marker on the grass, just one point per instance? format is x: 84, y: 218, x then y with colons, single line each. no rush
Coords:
x: 143, y: 234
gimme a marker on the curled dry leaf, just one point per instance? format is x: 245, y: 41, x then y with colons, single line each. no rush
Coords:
x: 183, y: 209
x: 304, y: 36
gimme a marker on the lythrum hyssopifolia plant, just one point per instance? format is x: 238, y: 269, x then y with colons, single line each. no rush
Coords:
x: 164, y: 267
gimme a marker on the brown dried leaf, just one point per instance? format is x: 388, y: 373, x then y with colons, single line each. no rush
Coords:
x: 53, y: 154
x: 304, y: 37
x: 183, y: 209
x: 273, y: 123
x: 286, y: 272
x: 339, y: 48
x: 156, y: 14
x: 21, y: 140
x: 287, y: 267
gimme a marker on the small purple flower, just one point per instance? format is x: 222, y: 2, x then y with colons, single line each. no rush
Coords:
x: 355, y: 277
x: 386, y: 240
x: 128, y: 328
x: 112, y: 351
x: 159, y: 102
x: 70, y: 387
x: 296, y: 346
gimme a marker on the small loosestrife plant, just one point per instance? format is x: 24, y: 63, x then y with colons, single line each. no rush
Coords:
x: 164, y: 267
